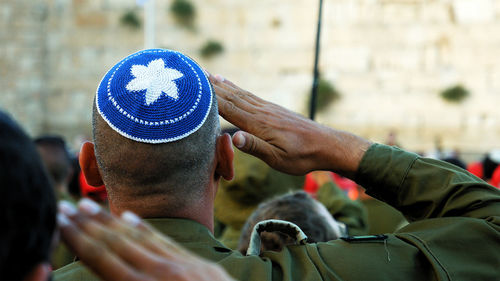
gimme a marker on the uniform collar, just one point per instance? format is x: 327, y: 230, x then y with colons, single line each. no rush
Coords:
x: 183, y: 230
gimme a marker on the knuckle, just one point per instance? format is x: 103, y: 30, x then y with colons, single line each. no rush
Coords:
x: 232, y: 97
x: 252, y: 145
x: 229, y: 107
x: 240, y: 94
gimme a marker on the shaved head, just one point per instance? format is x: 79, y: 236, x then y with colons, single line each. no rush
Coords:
x: 178, y: 171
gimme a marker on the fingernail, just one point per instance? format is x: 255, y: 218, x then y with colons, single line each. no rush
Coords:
x: 88, y: 206
x: 67, y: 208
x: 219, y: 78
x: 62, y: 220
x: 239, y: 140
x: 131, y: 218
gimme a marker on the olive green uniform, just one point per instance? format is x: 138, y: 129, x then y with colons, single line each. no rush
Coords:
x: 352, y: 213
x: 382, y: 218
x: 454, y: 231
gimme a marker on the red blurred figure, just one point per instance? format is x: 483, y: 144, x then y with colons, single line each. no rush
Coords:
x: 315, y: 180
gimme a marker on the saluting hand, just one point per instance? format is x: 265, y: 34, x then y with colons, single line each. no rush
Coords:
x: 128, y: 249
x: 285, y: 140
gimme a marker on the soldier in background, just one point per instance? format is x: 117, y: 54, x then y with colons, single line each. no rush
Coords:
x: 306, y: 215
x: 254, y: 182
x: 57, y: 161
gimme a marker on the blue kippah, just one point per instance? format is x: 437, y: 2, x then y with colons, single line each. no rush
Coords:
x: 155, y: 96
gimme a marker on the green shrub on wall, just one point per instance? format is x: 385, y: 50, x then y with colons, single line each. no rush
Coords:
x: 455, y: 94
x: 327, y: 94
x: 211, y: 48
x: 183, y: 11
x: 131, y: 20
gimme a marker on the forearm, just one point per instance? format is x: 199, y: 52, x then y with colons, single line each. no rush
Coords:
x: 425, y: 188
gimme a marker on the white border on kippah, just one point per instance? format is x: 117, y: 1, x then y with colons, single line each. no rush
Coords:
x: 159, y: 140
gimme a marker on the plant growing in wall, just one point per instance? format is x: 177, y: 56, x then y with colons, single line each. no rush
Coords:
x: 131, y: 19
x: 327, y: 94
x: 211, y: 48
x: 455, y: 94
x: 183, y: 11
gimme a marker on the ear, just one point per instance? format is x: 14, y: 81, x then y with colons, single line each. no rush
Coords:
x: 225, y: 155
x: 41, y: 272
x: 88, y: 163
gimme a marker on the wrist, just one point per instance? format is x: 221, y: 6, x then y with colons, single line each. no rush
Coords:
x: 341, y: 152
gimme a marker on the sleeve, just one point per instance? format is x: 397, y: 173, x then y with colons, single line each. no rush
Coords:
x: 424, y: 188
x: 450, y: 211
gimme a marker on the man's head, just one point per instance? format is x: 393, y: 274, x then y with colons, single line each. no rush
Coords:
x: 28, y: 206
x: 56, y: 159
x: 298, y: 208
x: 156, y: 134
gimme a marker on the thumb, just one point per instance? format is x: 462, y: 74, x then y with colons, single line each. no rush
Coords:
x: 253, y: 145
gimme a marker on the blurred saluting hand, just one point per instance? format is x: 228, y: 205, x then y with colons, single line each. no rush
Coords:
x: 126, y: 248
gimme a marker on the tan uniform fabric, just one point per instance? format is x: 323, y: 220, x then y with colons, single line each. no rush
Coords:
x: 454, y: 231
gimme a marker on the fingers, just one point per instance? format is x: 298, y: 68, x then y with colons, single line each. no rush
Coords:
x: 229, y: 86
x: 150, y: 238
x: 234, y: 115
x: 132, y: 228
x: 236, y: 105
x: 113, y: 241
x: 255, y: 146
x: 106, y: 245
x: 94, y: 254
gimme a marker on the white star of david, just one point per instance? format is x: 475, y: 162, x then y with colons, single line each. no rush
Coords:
x: 155, y: 79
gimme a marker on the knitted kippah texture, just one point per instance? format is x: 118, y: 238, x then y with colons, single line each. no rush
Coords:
x: 155, y: 96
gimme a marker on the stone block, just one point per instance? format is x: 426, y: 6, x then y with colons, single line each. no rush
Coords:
x: 398, y: 59
x: 399, y: 13
x: 347, y: 58
x: 477, y: 11
x: 435, y: 12
x: 91, y: 19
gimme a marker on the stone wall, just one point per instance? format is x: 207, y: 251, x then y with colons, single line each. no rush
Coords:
x: 389, y: 59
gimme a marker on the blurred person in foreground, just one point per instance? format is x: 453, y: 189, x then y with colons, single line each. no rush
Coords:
x: 159, y: 160
x: 28, y: 207
x: 29, y: 233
